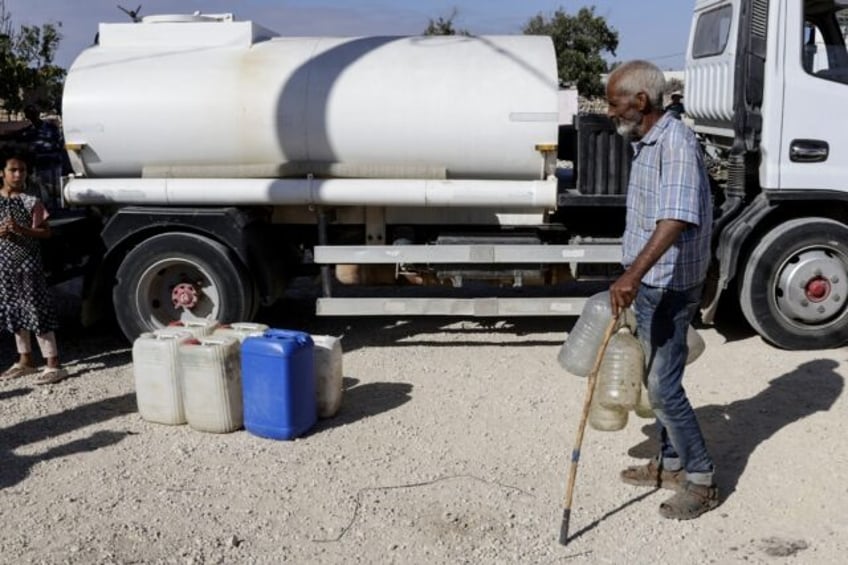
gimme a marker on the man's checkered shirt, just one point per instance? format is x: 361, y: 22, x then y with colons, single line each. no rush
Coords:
x: 668, y: 180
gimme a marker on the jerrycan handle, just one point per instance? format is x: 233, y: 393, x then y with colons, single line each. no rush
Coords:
x: 214, y: 341
x: 245, y: 326
x: 300, y: 337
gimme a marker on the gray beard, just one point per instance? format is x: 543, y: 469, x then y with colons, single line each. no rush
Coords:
x: 628, y: 129
x: 625, y: 130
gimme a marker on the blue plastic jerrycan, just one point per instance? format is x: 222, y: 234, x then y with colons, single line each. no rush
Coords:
x: 278, y: 384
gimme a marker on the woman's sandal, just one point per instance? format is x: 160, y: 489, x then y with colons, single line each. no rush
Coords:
x: 690, y: 502
x: 51, y: 375
x: 17, y: 370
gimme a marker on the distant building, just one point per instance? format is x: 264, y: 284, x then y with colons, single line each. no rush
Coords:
x: 569, y: 105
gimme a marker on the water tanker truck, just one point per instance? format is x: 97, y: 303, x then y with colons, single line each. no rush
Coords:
x: 218, y: 161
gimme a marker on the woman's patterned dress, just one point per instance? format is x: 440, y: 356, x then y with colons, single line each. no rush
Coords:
x: 25, y: 303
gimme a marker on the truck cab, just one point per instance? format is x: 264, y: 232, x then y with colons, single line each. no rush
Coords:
x: 766, y: 83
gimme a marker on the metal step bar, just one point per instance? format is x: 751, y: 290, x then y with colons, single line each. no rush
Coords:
x: 467, y: 307
x: 479, y: 253
x: 467, y: 254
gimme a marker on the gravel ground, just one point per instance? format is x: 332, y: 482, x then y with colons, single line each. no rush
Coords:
x: 452, y: 446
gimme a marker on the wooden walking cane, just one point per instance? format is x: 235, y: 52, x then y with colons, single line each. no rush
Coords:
x: 575, y: 454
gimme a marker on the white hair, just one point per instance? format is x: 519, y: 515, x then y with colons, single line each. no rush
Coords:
x: 634, y: 77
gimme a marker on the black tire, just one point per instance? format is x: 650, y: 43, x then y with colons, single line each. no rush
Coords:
x: 794, y: 289
x: 150, y: 271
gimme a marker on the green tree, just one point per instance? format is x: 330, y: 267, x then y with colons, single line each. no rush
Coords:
x: 580, y: 41
x: 27, y: 72
x: 444, y: 26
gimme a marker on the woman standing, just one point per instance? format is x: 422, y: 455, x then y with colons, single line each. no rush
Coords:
x: 25, y: 305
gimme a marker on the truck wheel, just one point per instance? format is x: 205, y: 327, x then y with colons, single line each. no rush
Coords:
x: 794, y: 289
x: 176, y: 276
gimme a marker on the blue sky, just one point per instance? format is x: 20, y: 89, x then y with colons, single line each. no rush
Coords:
x: 649, y: 29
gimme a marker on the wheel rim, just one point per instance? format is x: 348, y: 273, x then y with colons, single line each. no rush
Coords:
x: 812, y: 287
x: 162, y: 283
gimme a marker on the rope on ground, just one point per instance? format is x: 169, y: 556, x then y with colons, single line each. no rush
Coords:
x: 357, y: 502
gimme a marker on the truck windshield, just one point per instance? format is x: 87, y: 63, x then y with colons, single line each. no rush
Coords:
x: 825, y: 29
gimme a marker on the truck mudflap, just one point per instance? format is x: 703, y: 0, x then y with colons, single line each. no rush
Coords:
x: 74, y: 247
x: 730, y: 243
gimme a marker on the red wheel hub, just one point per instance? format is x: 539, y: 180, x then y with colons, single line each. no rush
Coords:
x: 185, y: 295
x: 817, y: 290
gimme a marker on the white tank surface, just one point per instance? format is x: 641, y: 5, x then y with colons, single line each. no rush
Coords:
x: 216, y: 98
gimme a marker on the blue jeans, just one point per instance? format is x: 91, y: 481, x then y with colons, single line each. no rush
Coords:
x: 663, y: 317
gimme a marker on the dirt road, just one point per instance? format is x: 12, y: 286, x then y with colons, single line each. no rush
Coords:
x: 452, y: 446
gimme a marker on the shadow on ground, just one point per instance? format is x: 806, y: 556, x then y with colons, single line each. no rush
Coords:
x: 81, y: 350
x: 730, y: 323
x: 382, y: 331
x: 362, y: 401
x: 15, y: 468
x: 733, y: 431
x: 297, y: 311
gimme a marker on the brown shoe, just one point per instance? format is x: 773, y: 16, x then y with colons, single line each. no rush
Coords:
x: 690, y: 502
x: 653, y: 475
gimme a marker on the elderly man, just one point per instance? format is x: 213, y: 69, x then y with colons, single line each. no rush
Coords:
x: 666, y: 251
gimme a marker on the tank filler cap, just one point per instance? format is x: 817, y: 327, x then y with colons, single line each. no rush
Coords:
x: 196, y: 17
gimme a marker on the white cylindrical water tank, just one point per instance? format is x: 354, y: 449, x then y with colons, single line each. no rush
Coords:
x: 218, y: 99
